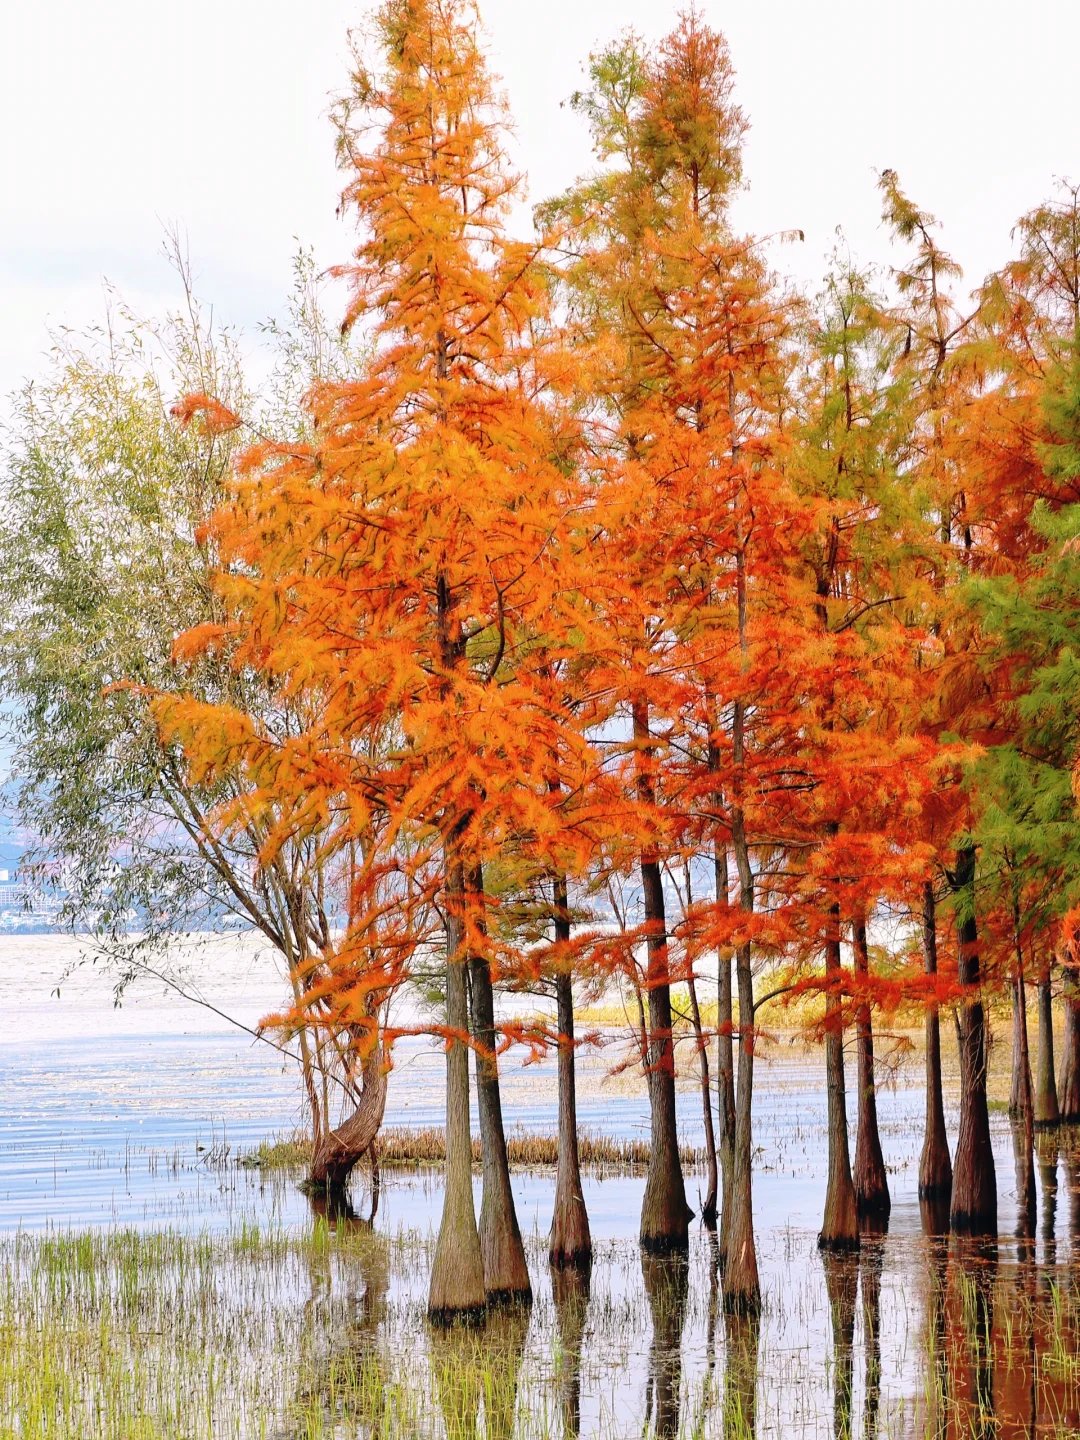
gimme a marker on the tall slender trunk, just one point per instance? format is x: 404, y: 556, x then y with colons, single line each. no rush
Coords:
x: 1069, y: 1083
x: 935, y: 1166
x: 1046, y: 1109
x: 725, y: 1066
x: 1024, y: 1129
x: 506, y: 1275
x: 708, y: 1209
x: 569, y: 1242
x: 1016, y: 1086
x: 742, y: 1286
x: 457, y: 1272
x: 872, y: 1200
x: 665, y: 1215
x: 840, y: 1225
x: 974, y: 1196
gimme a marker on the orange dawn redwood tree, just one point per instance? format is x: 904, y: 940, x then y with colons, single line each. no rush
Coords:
x: 400, y: 569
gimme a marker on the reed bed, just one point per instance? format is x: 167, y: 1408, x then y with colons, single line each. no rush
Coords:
x: 404, y: 1146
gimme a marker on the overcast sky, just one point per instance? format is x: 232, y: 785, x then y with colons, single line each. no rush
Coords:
x: 120, y: 117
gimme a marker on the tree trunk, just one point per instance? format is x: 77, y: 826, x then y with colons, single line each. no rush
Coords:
x: 1024, y: 1129
x: 974, y: 1196
x: 840, y: 1226
x: 1069, y: 1084
x: 742, y: 1286
x: 725, y: 1070
x: 506, y: 1275
x: 871, y: 1183
x: 935, y: 1166
x: 337, y: 1151
x: 708, y: 1209
x: 569, y: 1242
x: 457, y: 1273
x: 1016, y: 1088
x: 665, y: 1215
x: 1046, y: 1110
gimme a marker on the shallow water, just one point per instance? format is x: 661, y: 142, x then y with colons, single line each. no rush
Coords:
x: 135, y: 1117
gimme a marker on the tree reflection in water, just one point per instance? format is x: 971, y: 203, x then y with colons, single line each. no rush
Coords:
x: 742, y: 1339
x: 570, y: 1288
x: 842, y: 1288
x: 666, y: 1284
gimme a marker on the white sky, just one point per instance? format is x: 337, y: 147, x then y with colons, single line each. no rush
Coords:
x: 118, y: 117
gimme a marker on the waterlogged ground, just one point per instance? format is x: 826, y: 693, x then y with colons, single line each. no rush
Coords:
x: 152, y: 1286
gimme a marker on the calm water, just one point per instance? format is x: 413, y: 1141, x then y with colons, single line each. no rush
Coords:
x: 133, y: 1117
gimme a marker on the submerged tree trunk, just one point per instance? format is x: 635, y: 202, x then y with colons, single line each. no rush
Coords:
x: 935, y: 1166
x: 974, y: 1196
x: 1046, y: 1110
x: 337, y: 1151
x: 840, y: 1226
x: 457, y: 1272
x: 725, y: 1068
x: 665, y: 1215
x: 1069, y: 1084
x: 506, y: 1275
x: 871, y: 1183
x: 569, y: 1242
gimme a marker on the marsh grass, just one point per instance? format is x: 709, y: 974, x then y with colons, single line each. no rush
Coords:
x: 403, y: 1147
x: 319, y: 1332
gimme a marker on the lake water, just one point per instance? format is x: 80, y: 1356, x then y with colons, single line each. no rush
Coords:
x: 132, y: 1117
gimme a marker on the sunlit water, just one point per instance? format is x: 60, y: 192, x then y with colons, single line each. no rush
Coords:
x: 134, y: 1117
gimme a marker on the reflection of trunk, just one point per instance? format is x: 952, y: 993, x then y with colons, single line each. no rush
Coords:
x: 708, y: 1209
x: 456, y: 1362
x: 1046, y: 1100
x: 339, y: 1150
x: 742, y: 1332
x: 569, y: 1242
x: 870, y: 1181
x: 1047, y: 1150
x: 570, y: 1290
x: 665, y: 1214
x: 974, y: 1197
x: 666, y: 1286
x: 935, y: 1167
x: 500, y: 1357
x: 977, y: 1267
x: 871, y: 1263
x: 935, y: 1335
x: 1069, y: 1085
x: 506, y: 1275
x: 839, y: 1228
x: 457, y: 1273
x: 841, y: 1285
